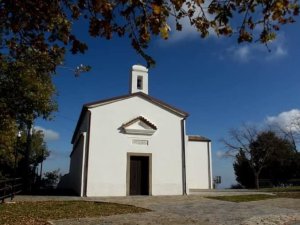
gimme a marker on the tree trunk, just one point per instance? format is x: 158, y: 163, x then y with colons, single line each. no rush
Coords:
x: 27, y: 163
x: 256, y: 177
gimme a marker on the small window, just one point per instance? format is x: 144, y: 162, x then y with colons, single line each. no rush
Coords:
x: 139, y: 84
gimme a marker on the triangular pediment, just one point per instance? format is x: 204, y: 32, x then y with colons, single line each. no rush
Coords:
x: 139, y: 125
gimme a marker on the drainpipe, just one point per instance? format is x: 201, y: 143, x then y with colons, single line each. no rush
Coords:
x: 87, y: 150
x: 183, y: 157
x: 209, y: 165
x: 83, y: 188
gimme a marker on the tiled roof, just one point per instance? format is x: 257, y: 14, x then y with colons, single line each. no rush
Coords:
x: 198, y: 138
x: 142, y: 119
x: 155, y: 101
x: 142, y: 95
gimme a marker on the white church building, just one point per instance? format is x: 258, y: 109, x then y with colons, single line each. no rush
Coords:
x: 137, y: 145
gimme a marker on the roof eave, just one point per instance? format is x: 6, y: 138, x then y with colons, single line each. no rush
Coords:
x: 197, y: 138
x: 81, y: 117
x: 155, y: 101
x: 166, y: 106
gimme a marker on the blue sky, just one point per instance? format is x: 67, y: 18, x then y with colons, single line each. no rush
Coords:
x: 220, y: 83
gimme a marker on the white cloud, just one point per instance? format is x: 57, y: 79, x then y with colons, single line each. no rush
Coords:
x: 188, y: 31
x: 50, y: 135
x: 220, y: 154
x: 278, y: 52
x: 258, y: 51
x: 286, y: 120
x: 242, y: 53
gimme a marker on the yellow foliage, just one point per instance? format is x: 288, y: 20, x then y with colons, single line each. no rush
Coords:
x: 156, y: 9
x: 164, y: 31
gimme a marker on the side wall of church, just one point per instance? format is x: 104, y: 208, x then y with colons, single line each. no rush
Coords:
x: 109, y: 148
x: 77, y: 158
x: 198, y: 165
x: 76, y: 164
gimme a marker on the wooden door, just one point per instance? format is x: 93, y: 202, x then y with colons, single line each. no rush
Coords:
x: 139, y: 175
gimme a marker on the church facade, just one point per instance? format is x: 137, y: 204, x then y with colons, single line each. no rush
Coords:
x: 137, y: 145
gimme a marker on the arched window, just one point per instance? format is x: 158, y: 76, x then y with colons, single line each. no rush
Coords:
x: 139, y: 83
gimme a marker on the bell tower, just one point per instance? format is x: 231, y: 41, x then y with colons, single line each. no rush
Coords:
x: 139, y: 79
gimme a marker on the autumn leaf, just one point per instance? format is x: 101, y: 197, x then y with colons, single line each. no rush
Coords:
x: 156, y: 9
x: 164, y: 31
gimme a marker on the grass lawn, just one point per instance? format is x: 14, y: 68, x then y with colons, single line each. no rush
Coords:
x: 284, y: 192
x: 257, y: 197
x: 37, y: 213
x: 288, y: 194
x: 242, y: 198
x: 279, y: 192
x: 281, y: 189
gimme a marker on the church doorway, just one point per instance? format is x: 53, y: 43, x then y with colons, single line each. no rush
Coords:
x: 139, y: 175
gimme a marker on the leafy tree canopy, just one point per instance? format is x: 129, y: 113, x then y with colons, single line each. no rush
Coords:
x: 26, y: 89
x: 141, y: 20
x: 51, y: 178
x: 46, y: 25
x: 13, y: 148
x: 264, y: 155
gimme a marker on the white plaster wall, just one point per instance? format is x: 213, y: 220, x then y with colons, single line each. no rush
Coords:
x: 77, y: 157
x: 76, y: 164
x: 108, y: 148
x: 83, y: 126
x: 135, y: 73
x: 197, y: 165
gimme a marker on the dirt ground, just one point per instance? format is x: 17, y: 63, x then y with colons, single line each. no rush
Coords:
x: 192, y: 209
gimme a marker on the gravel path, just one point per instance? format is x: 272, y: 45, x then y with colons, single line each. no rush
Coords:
x: 196, y: 209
